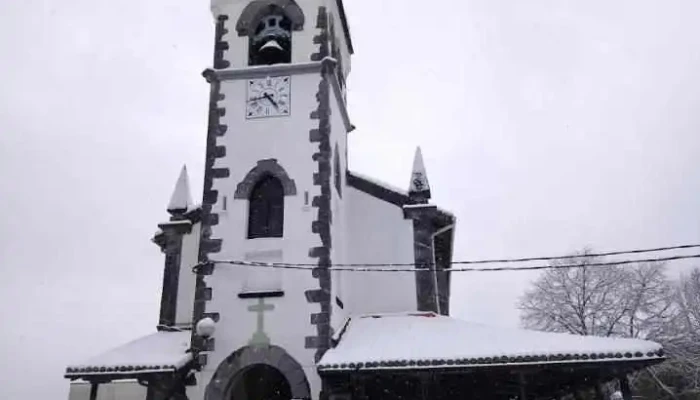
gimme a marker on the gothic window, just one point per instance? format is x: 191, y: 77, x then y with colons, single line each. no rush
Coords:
x: 337, y: 172
x: 271, y: 41
x: 266, y: 209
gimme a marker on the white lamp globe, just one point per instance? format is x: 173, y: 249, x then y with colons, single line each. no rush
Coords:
x: 205, y: 327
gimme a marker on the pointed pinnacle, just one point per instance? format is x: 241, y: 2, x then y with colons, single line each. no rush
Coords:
x: 419, y: 185
x: 181, y: 199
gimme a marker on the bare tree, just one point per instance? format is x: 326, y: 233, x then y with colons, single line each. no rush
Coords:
x: 680, y: 336
x: 630, y: 301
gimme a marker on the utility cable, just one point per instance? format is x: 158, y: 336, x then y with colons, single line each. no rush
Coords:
x: 428, y: 267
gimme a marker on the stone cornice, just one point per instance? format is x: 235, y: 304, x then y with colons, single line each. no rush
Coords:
x: 326, y: 66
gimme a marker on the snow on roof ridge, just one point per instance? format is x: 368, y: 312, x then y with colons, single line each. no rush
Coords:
x: 380, y: 183
x: 155, y: 352
x: 396, y: 190
x: 380, y: 340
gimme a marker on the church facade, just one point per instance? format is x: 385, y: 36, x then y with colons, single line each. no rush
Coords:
x: 267, y: 263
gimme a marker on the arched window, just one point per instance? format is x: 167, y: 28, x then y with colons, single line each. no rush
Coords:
x: 266, y: 209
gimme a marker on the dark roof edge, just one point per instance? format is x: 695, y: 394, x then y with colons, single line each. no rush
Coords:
x: 346, y: 27
x: 389, y: 195
x: 376, y: 190
x: 520, y: 361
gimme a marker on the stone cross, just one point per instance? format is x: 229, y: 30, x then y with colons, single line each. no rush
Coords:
x: 259, y: 337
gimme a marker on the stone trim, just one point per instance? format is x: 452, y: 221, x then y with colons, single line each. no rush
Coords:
x: 176, y: 226
x: 170, y: 242
x: 261, y: 295
x: 220, y: 45
x: 262, y: 169
x: 262, y: 71
x: 220, y: 385
x: 442, y: 248
x: 322, y: 203
x: 171, y: 278
x: 194, y: 215
x: 322, y: 39
x: 349, y: 127
x: 423, y: 252
x: 207, y: 244
x: 259, y: 8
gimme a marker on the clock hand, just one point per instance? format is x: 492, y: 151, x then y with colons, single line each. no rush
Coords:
x: 274, y: 103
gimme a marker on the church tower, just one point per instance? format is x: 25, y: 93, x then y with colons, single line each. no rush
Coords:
x: 273, y: 192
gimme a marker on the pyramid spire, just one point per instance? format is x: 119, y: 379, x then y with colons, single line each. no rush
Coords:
x: 181, y: 199
x: 419, y: 187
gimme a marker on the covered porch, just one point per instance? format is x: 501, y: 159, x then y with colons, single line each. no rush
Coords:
x: 426, y: 356
x: 160, y: 362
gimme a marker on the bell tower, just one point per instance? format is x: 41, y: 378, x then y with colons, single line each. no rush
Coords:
x: 273, y: 192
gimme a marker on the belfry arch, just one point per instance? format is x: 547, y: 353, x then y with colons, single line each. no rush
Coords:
x: 267, y: 362
x: 253, y: 12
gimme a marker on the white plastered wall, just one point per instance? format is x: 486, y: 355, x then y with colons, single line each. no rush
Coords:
x: 378, y: 233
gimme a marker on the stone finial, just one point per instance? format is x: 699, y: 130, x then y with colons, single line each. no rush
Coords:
x: 419, y: 187
x: 181, y: 199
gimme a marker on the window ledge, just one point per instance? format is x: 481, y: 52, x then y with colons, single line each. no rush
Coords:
x: 261, y: 294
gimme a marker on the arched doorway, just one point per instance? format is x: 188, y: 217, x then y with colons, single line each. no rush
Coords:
x: 257, y: 373
x: 260, y: 381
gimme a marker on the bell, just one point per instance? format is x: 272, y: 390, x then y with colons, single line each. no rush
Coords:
x: 272, y: 53
x: 271, y: 45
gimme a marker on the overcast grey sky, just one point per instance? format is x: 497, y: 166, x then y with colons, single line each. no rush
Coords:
x: 546, y: 125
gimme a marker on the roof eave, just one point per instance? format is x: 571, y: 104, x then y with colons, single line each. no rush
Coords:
x: 641, y: 362
x: 346, y: 27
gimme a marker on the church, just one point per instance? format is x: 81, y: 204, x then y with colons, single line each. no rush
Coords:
x: 275, y: 283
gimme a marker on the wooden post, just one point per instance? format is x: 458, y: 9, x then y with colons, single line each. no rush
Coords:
x: 358, y: 387
x: 625, y: 388
x: 523, y: 392
x: 93, y: 391
x: 599, y: 392
x: 426, y: 385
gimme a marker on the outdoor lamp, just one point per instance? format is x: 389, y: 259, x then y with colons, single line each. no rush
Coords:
x: 205, y: 327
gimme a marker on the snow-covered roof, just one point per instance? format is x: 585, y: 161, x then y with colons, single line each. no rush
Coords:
x: 391, y: 193
x: 380, y: 183
x: 158, y: 352
x: 428, y: 340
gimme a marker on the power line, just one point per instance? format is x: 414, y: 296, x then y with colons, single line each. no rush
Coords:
x: 397, y: 267
x: 506, y: 260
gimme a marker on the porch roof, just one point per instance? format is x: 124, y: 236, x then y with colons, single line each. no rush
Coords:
x: 156, y: 353
x: 427, y: 340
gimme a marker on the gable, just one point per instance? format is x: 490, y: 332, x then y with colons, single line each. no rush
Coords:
x: 442, y: 228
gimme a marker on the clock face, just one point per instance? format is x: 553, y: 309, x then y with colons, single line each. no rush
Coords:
x: 268, y: 97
